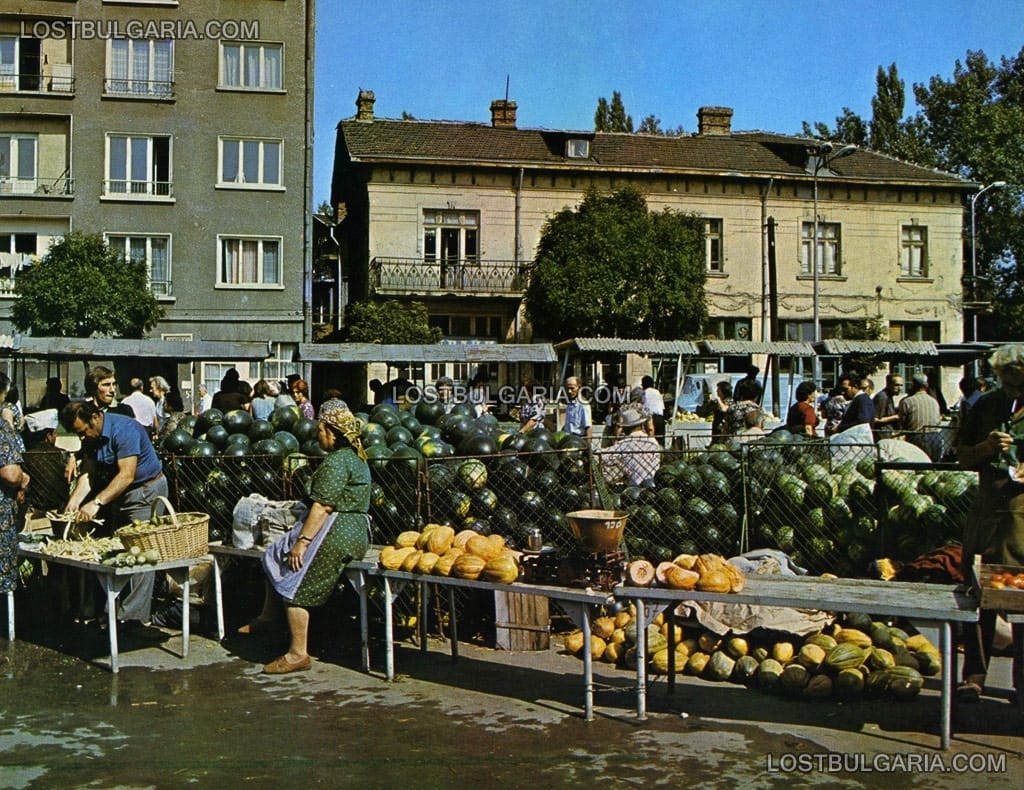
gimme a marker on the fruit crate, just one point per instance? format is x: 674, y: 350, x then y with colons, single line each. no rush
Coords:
x: 1006, y: 599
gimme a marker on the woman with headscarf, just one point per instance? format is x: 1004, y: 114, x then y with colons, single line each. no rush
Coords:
x: 304, y: 565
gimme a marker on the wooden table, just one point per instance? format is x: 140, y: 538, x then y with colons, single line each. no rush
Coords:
x: 934, y: 604
x: 114, y: 580
x: 578, y: 601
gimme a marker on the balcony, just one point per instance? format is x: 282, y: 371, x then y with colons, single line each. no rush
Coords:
x: 55, y: 78
x: 39, y: 186
x: 139, y: 89
x: 455, y: 277
x: 120, y: 188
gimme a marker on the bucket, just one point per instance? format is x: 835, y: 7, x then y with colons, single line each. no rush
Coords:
x: 598, y: 530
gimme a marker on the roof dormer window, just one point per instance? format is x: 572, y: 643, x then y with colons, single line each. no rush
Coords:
x: 576, y: 148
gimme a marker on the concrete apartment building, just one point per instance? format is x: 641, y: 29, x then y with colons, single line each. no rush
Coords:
x: 450, y: 213
x: 179, y: 131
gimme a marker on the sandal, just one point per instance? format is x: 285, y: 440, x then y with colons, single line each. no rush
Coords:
x: 282, y: 666
x: 256, y: 626
x: 968, y: 692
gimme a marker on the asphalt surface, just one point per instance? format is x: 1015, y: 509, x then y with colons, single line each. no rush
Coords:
x: 493, y: 719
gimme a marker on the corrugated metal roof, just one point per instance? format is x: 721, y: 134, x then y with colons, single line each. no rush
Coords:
x: 116, y: 348
x: 440, y: 352
x: 904, y: 348
x: 739, y: 153
x: 619, y: 345
x: 789, y: 348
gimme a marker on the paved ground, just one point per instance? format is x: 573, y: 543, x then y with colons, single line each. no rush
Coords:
x: 494, y: 719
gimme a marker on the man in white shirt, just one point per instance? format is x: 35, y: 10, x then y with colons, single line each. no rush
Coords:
x: 143, y: 406
x: 655, y: 403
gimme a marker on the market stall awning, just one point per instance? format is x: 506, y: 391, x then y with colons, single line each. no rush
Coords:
x: 119, y: 348
x: 619, y: 345
x: 899, y: 350
x: 438, y: 352
x: 957, y: 354
x: 786, y: 348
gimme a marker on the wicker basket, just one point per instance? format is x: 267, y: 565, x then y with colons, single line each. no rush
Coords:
x: 187, y: 537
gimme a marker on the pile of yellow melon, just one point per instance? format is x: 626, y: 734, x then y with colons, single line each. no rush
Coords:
x: 439, y: 551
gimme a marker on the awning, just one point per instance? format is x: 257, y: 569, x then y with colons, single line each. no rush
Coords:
x: 119, y: 348
x: 439, y: 352
x: 619, y: 345
x: 900, y: 350
x: 956, y: 354
x: 785, y: 348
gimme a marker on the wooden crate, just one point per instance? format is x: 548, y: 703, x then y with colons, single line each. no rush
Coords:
x: 1005, y: 599
x: 522, y: 622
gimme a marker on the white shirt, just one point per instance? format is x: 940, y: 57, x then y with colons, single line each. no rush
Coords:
x: 654, y: 401
x: 144, y: 408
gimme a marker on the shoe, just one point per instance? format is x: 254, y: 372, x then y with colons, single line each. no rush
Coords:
x: 256, y: 626
x: 968, y: 692
x: 282, y: 666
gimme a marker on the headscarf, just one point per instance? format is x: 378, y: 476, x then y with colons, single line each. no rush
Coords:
x: 337, y: 415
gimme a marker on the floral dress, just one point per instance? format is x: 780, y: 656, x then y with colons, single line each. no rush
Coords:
x: 10, y: 453
x: 342, y: 482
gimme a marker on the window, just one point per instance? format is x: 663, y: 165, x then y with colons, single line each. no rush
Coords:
x: 914, y: 251
x: 252, y: 66
x: 20, y: 64
x: 138, y: 166
x: 249, y: 261
x: 467, y: 326
x: 713, y: 245
x: 914, y: 330
x: 154, y: 251
x: 450, y: 236
x: 828, y: 249
x: 250, y: 163
x: 18, y: 154
x: 577, y: 149
x: 140, y: 67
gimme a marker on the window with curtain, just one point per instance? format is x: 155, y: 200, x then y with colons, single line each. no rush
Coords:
x: 250, y: 162
x: 140, y: 67
x: 914, y: 251
x: 828, y: 249
x: 152, y: 250
x: 249, y: 261
x: 253, y: 66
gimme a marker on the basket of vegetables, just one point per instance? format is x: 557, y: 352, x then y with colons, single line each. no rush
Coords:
x: 174, y: 535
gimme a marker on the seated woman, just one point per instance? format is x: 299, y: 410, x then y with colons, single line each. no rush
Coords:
x: 304, y: 566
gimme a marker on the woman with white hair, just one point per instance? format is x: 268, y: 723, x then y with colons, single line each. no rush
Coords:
x: 991, y: 442
x: 158, y: 389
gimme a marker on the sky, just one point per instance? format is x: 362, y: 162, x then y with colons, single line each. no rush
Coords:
x: 775, y: 62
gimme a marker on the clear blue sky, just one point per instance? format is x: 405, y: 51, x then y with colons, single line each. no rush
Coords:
x: 776, y: 63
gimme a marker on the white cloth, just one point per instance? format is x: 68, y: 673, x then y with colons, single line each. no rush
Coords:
x: 654, y: 401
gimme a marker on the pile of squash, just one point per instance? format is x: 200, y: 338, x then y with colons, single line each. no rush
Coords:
x: 703, y: 572
x: 860, y: 658
x: 439, y: 551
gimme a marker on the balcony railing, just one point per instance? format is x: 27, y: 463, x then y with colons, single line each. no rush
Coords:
x: 161, y: 289
x: 39, y: 186
x: 158, y: 89
x: 140, y: 189
x: 55, y: 78
x: 453, y: 276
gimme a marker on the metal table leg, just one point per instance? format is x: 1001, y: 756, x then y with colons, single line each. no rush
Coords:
x: 113, y: 585
x: 357, y: 579
x: 641, y: 661
x: 453, y: 624
x: 949, y: 670
x: 421, y: 625
x: 580, y: 613
x: 181, y: 576
x: 218, y: 592
x: 10, y: 615
x: 389, y: 624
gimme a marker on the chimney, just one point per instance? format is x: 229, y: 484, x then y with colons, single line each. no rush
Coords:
x: 714, y: 120
x: 364, y: 105
x: 503, y: 114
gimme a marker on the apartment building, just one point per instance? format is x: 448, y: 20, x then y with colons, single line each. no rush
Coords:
x: 180, y: 132
x: 450, y: 213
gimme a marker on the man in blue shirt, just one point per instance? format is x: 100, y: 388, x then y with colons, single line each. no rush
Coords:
x: 861, y: 408
x: 122, y: 471
x: 577, y: 412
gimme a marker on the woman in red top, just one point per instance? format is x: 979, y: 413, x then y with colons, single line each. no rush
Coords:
x: 801, y: 417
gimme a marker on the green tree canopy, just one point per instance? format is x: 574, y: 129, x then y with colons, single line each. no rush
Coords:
x: 391, y: 322
x: 611, y: 117
x: 611, y: 267
x: 83, y: 288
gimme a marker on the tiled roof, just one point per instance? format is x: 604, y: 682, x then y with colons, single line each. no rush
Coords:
x: 739, y: 153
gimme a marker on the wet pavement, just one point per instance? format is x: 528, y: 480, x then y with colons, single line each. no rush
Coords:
x: 493, y: 719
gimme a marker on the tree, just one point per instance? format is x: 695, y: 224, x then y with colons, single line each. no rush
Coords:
x: 391, y: 322
x: 83, y: 288
x: 849, y: 128
x: 612, y: 268
x: 612, y: 117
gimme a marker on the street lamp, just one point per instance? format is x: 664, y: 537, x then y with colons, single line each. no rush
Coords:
x: 974, y: 253
x: 823, y: 157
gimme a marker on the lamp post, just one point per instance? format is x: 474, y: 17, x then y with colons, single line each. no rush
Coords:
x: 823, y: 157
x: 974, y: 253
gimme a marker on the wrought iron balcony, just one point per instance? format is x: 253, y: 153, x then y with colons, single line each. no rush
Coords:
x: 452, y: 276
x: 157, y: 89
x: 138, y: 189
x: 55, y: 78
